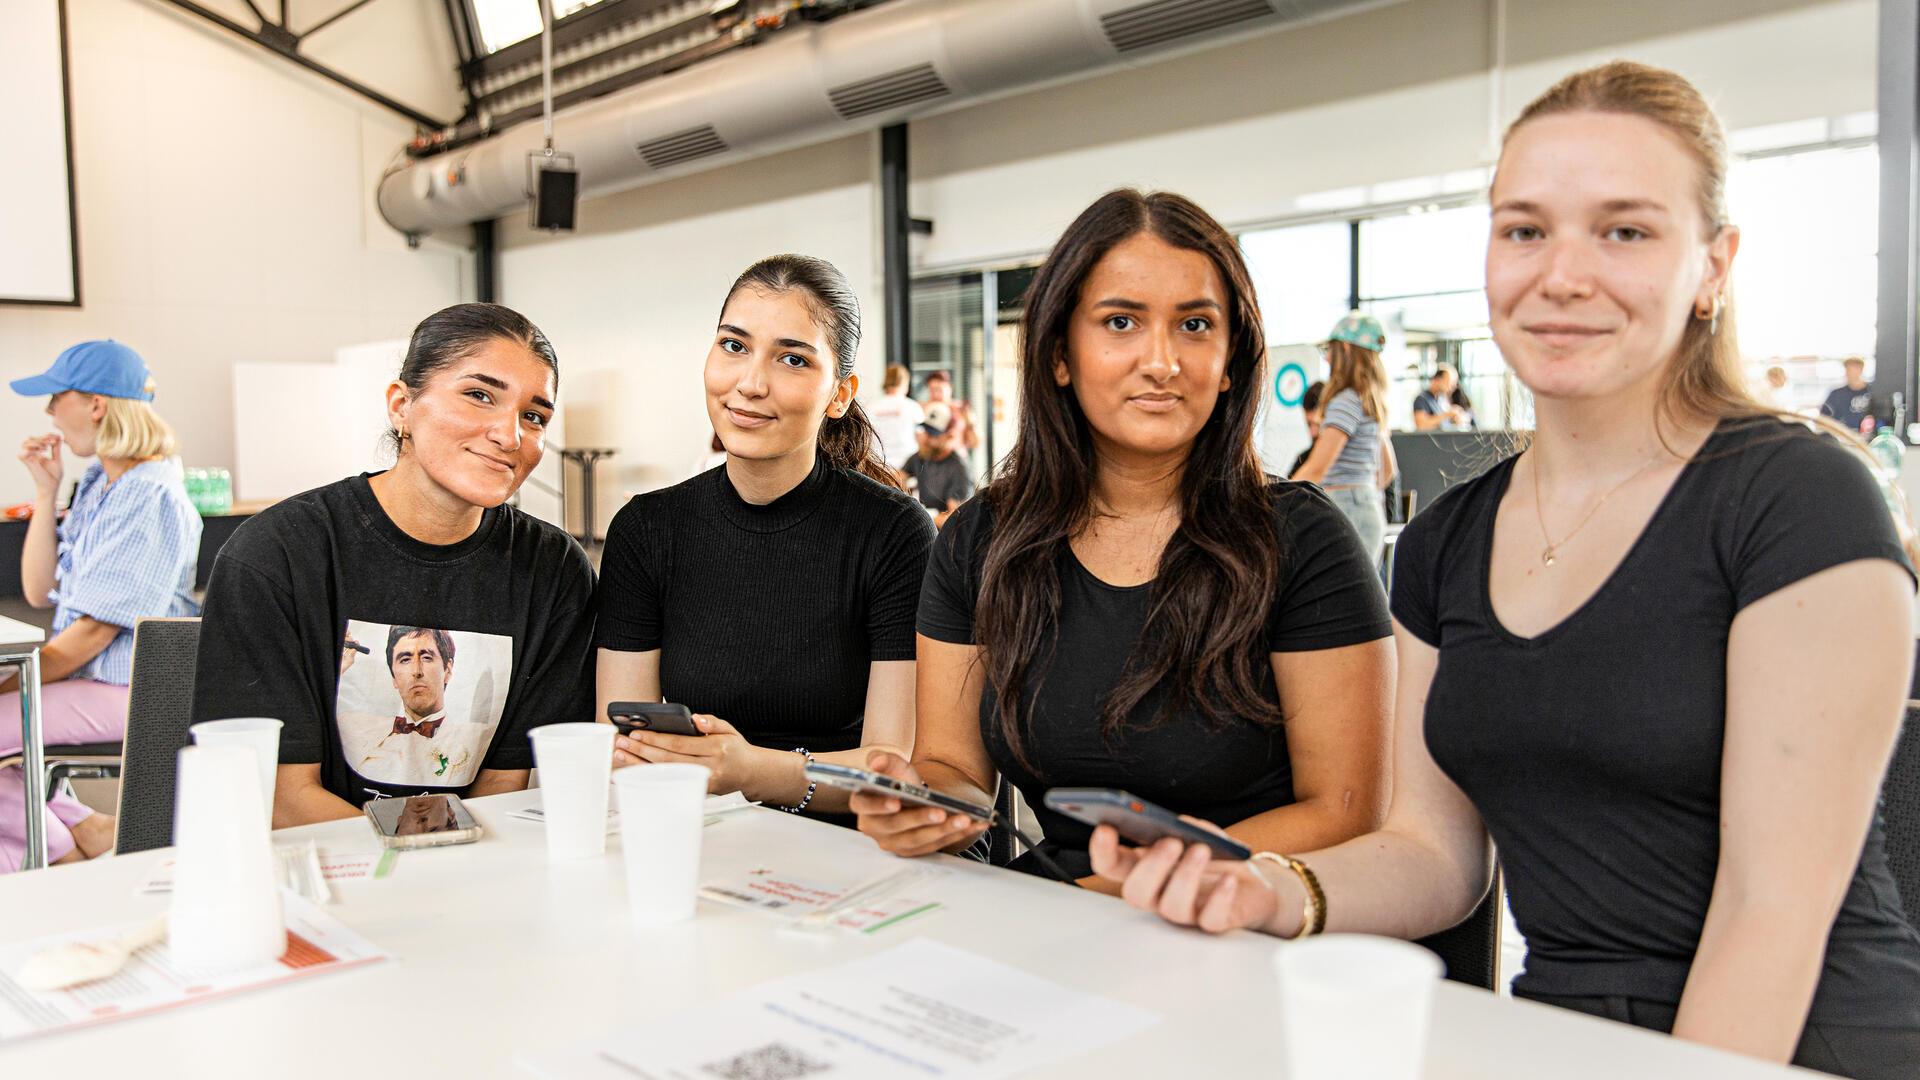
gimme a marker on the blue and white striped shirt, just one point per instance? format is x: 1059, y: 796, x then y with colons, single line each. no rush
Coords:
x: 128, y: 551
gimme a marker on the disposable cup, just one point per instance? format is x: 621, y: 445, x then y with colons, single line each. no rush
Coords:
x: 1353, y: 1005
x: 662, y: 812
x: 258, y: 734
x: 574, y: 762
x: 224, y: 913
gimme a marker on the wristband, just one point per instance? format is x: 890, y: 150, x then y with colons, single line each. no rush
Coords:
x: 1313, y: 915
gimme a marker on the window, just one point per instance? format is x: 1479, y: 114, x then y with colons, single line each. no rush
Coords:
x: 509, y: 22
x: 1301, y: 275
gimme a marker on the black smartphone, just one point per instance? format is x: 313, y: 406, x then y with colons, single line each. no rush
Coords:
x: 1139, y: 821
x: 662, y: 716
x: 848, y: 778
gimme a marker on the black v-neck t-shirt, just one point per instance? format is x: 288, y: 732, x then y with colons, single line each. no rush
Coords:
x: 304, y: 581
x: 1328, y: 596
x: 1593, y: 751
x: 768, y: 616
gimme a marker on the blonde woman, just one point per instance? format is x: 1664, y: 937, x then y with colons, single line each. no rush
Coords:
x: 1638, y: 654
x: 1351, y: 457
x: 127, y: 550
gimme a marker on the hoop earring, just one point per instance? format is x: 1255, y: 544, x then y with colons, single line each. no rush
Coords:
x: 1711, y: 316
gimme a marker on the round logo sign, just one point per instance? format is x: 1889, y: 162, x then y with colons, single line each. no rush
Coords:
x: 1290, y: 384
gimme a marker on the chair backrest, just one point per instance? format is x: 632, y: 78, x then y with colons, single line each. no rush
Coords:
x: 159, y: 710
x: 1471, y: 950
x: 1900, y: 810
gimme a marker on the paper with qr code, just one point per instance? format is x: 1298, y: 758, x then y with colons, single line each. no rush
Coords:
x: 918, y: 1009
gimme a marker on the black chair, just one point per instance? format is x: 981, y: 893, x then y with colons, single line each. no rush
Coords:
x: 1900, y: 810
x: 1471, y: 950
x: 159, y: 710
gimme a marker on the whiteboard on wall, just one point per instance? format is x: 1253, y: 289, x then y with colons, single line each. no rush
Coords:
x: 39, y: 263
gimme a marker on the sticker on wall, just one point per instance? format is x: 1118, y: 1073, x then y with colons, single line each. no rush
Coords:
x: 1290, y: 384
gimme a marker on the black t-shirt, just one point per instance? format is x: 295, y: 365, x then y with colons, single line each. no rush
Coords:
x: 767, y: 616
x: 940, y: 479
x: 462, y: 648
x: 1848, y: 406
x: 1328, y: 596
x: 1593, y: 750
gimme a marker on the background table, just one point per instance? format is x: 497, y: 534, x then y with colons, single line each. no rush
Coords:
x: 501, y: 954
x: 20, y: 647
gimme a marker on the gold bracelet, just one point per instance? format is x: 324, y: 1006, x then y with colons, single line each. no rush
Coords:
x: 1313, y: 914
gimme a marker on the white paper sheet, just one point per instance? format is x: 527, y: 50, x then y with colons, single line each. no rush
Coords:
x: 316, y: 944
x: 847, y: 903
x: 717, y: 806
x: 334, y: 866
x: 918, y: 1009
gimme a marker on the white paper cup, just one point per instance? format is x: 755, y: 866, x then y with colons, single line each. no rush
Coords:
x: 224, y: 914
x: 259, y: 734
x: 1353, y: 1005
x: 574, y: 762
x: 662, y: 812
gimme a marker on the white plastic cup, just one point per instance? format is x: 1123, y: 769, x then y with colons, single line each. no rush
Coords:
x: 258, y: 734
x: 575, y: 761
x: 1354, y: 1005
x: 224, y: 914
x: 662, y: 813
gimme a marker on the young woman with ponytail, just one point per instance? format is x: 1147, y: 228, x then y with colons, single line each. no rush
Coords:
x: 1640, y: 657
x: 774, y: 596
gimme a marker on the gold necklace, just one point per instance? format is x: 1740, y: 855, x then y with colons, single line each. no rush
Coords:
x: 1547, y: 553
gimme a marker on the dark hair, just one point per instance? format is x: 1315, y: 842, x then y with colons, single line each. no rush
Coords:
x: 441, y: 640
x: 457, y: 331
x: 1205, y: 636
x: 847, y: 441
x: 1310, y: 400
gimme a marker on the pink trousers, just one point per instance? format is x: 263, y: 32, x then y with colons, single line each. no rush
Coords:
x: 72, y: 711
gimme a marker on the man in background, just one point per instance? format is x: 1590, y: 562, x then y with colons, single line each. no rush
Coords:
x: 940, y: 392
x: 939, y: 475
x: 1434, y: 408
x: 1851, y: 404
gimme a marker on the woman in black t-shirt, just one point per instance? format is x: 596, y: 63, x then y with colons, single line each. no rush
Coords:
x: 773, y: 595
x: 408, y: 627
x: 1133, y: 604
x: 1660, y: 656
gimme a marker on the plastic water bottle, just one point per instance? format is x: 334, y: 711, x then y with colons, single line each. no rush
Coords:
x: 1885, y: 444
x: 196, y: 481
x: 220, y: 495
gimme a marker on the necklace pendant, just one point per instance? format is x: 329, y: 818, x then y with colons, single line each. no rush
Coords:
x: 1546, y: 554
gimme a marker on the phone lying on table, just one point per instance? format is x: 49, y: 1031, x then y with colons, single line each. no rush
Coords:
x: 661, y: 716
x: 421, y: 821
x: 848, y: 778
x: 1139, y: 821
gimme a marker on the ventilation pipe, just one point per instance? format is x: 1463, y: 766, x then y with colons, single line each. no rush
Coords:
x: 818, y: 82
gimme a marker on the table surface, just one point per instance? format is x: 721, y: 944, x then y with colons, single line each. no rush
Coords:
x: 501, y: 954
x: 15, y: 632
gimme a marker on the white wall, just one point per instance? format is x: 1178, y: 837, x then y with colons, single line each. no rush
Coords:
x: 225, y: 216
x: 1245, y: 129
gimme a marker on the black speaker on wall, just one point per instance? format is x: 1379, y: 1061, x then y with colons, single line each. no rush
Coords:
x: 555, y: 192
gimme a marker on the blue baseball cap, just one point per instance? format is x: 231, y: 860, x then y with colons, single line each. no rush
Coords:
x: 1362, y: 329
x: 94, y: 367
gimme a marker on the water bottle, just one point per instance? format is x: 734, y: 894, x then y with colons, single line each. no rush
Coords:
x: 196, y: 481
x: 1885, y: 444
x: 221, y: 495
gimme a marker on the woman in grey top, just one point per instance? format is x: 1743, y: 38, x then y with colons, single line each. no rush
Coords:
x: 1350, y: 458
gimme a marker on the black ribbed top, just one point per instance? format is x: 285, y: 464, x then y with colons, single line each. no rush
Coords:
x: 767, y: 616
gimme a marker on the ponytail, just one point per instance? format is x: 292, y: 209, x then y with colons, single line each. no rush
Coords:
x: 849, y: 442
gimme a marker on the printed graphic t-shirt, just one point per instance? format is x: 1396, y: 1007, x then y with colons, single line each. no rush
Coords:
x: 399, y: 667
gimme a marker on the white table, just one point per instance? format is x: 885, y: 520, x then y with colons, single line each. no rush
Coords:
x: 501, y: 954
x: 20, y: 645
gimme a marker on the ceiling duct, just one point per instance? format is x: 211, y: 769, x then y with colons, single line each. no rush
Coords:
x: 821, y: 81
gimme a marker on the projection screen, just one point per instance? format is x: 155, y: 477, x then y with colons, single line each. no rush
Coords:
x: 39, y: 260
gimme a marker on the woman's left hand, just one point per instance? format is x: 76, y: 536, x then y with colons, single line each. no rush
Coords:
x: 723, y: 750
x: 1184, y: 884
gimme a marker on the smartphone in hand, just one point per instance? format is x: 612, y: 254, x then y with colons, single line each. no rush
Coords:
x: 662, y: 716
x: 1139, y: 821
x: 848, y: 778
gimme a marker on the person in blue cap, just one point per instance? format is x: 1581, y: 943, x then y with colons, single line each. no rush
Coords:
x: 127, y: 550
x: 1351, y: 457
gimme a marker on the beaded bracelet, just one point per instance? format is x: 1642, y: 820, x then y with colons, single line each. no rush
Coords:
x: 808, y: 797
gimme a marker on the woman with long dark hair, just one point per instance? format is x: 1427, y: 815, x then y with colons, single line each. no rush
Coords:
x: 1132, y: 603
x: 407, y: 626
x: 773, y: 595
x: 1660, y: 656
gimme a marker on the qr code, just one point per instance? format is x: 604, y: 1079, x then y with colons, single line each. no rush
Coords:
x: 773, y: 1061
